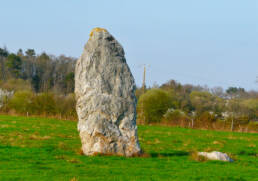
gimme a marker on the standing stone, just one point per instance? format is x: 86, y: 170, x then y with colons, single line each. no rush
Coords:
x: 105, y: 94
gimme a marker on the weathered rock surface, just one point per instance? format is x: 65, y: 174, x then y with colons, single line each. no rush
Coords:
x: 105, y: 94
x: 215, y: 155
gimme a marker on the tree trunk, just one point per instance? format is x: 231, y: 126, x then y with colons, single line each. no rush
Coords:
x: 192, y: 123
x: 232, y: 124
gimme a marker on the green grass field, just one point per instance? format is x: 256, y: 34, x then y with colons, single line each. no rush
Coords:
x: 49, y: 149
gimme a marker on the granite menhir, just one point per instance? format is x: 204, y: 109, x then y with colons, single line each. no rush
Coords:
x: 105, y: 95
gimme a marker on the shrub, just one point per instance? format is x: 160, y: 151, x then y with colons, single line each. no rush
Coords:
x: 152, y: 105
x: 253, y: 126
x: 205, y: 119
x: 175, y: 116
x: 65, y: 106
x: 16, y: 85
x: 44, y: 103
x: 22, y: 102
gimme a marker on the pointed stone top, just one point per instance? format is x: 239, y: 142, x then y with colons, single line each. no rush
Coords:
x: 97, y: 29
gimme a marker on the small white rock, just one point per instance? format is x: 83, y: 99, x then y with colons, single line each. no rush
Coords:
x: 215, y: 155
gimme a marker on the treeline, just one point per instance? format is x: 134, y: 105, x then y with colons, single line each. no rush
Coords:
x: 41, y: 104
x: 40, y: 84
x: 199, y: 107
x: 44, y: 84
x: 42, y: 72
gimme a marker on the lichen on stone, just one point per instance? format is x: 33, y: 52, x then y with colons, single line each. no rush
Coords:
x: 97, y: 29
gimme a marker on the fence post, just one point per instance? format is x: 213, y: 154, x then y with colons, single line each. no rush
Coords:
x: 232, y: 124
x: 192, y: 123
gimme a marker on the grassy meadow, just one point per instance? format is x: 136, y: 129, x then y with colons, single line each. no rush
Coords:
x: 49, y: 149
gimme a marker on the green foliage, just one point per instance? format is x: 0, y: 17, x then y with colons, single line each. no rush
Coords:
x: 22, y: 102
x: 175, y: 116
x: 30, y: 52
x: 202, y: 101
x: 173, y: 98
x: 242, y: 111
x: 44, y: 72
x: 206, y: 117
x: 69, y: 80
x: 235, y: 90
x: 69, y: 76
x: 252, y: 105
x: 138, y: 92
x: 153, y: 104
x: 35, y: 82
x: 44, y: 56
x: 47, y: 73
x: 20, y: 52
x: 65, y: 105
x: 253, y: 125
x: 3, y: 52
x: 14, y: 62
x: 49, y: 149
x: 45, y: 104
x: 15, y: 85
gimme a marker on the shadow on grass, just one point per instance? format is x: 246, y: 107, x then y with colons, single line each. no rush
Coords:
x: 147, y: 155
x: 172, y: 154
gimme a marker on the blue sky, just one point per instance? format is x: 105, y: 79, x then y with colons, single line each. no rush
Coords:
x: 201, y: 42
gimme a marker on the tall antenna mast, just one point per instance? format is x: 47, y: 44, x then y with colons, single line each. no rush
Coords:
x: 143, y: 88
x: 143, y: 82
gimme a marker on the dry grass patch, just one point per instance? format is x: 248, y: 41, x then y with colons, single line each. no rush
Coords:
x: 36, y: 137
x: 60, y: 157
x: 218, y: 143
x: 79, y: 151
x: 239, y: 138
x: 74, y: 179
x: 156, y: 141
x: 208, y: 149
x: 232, y: 137
x: 252, y: 145
x: 65, y: 136
x: 73, y: 160
x: 195, y: 156
x: 149, y: 143
x: 5, y: 126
